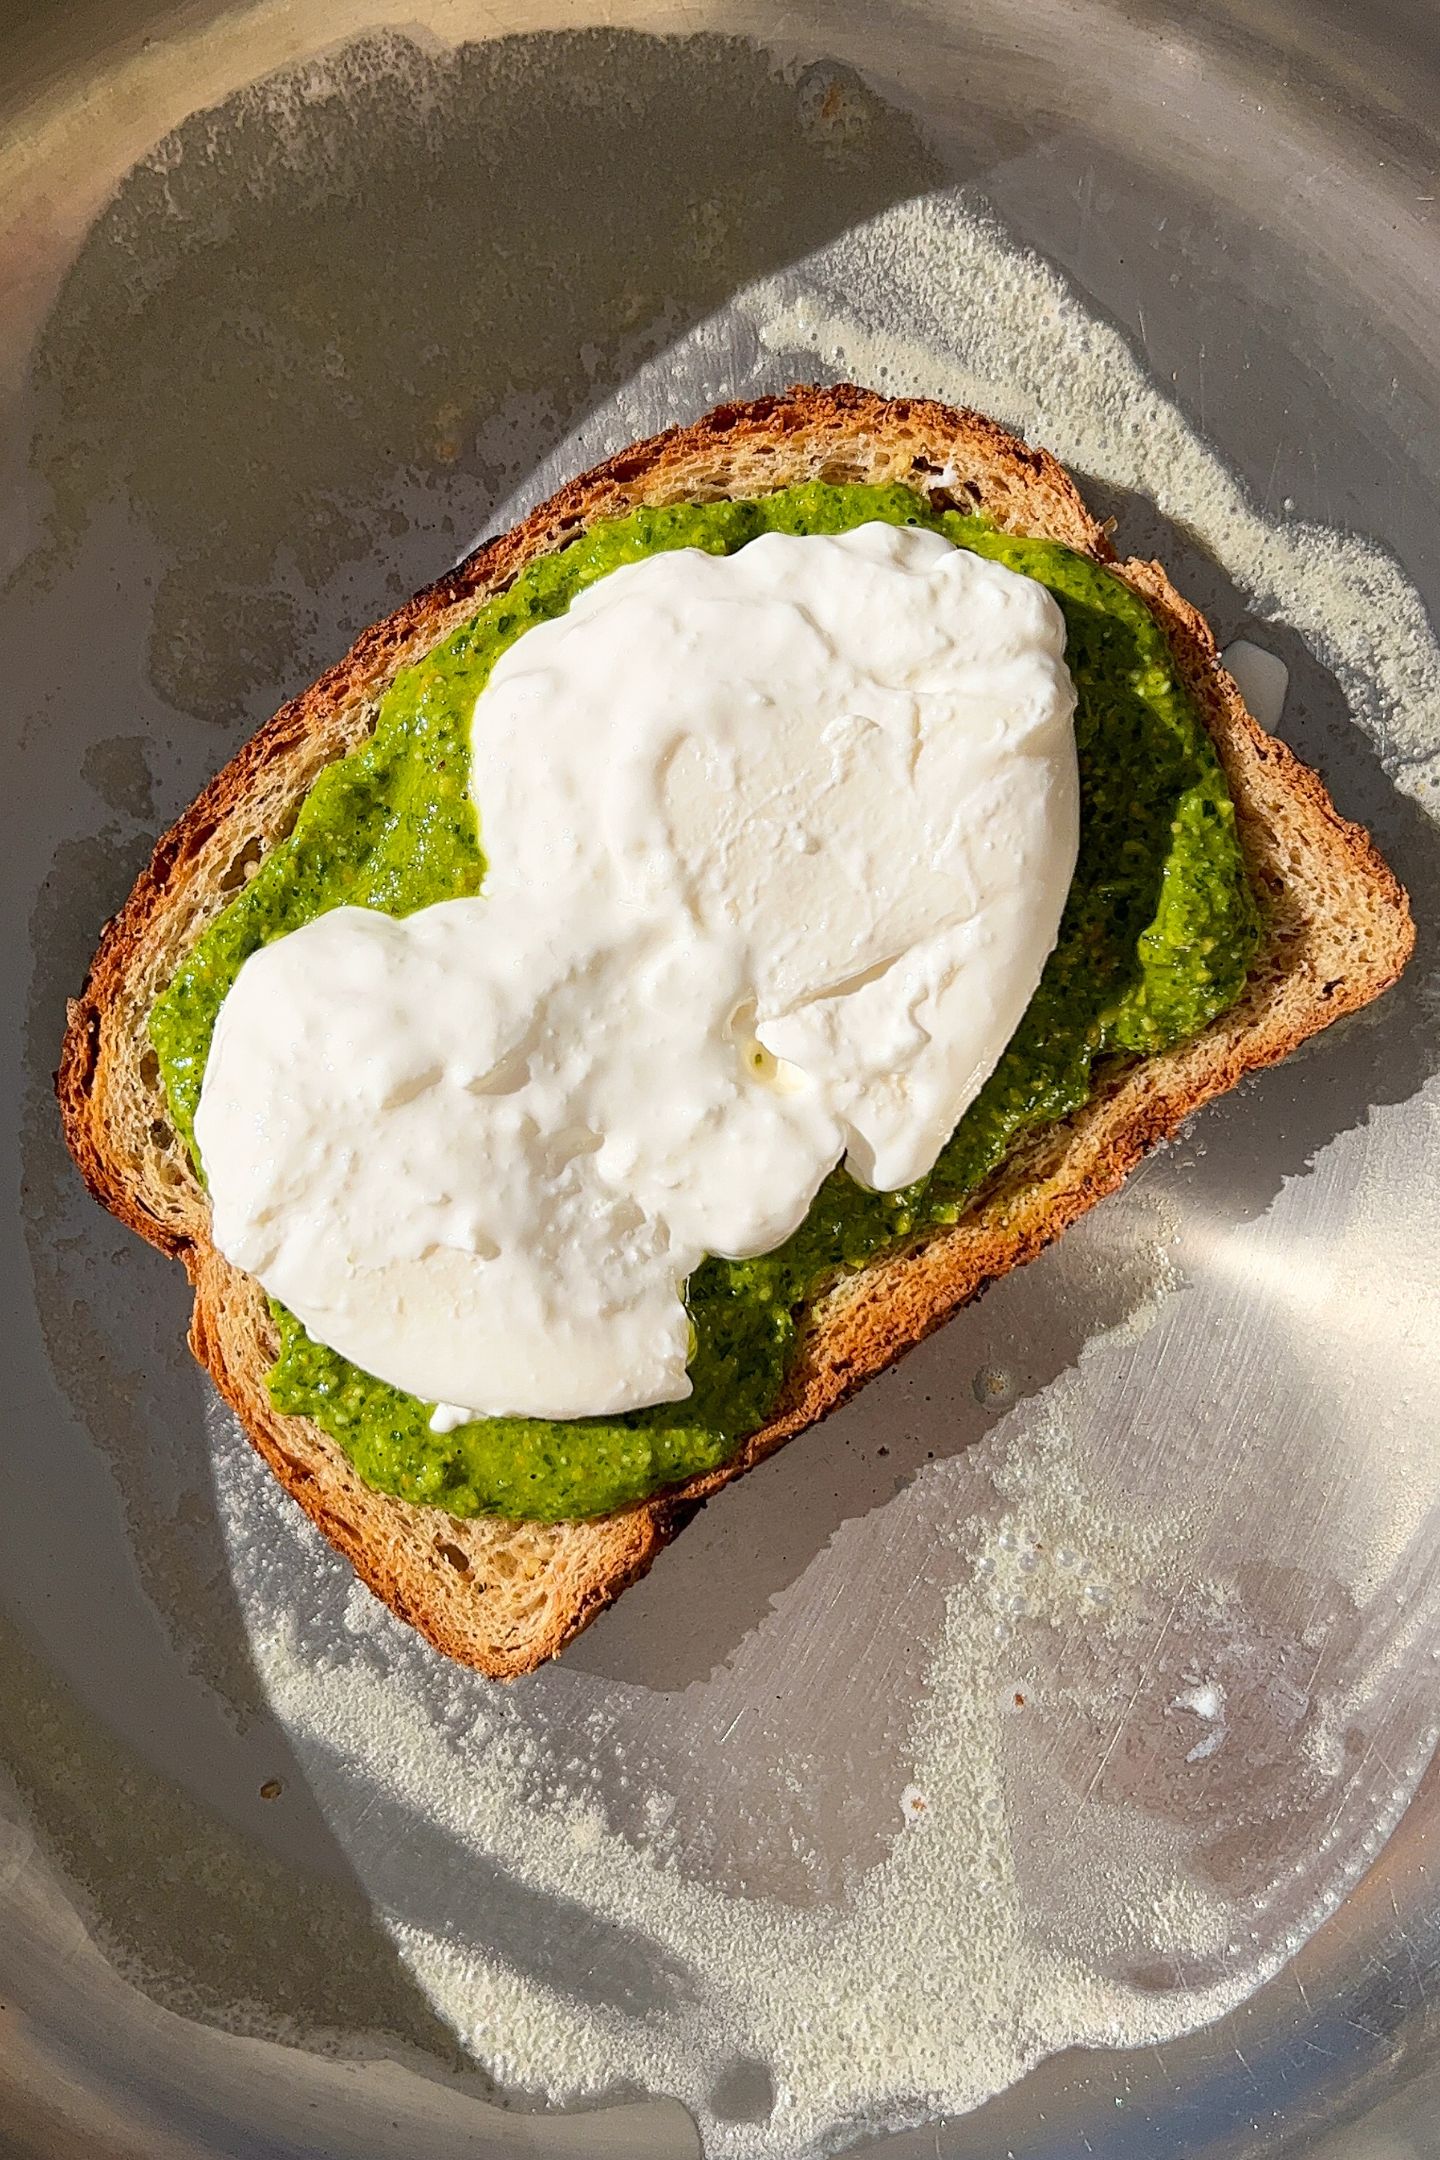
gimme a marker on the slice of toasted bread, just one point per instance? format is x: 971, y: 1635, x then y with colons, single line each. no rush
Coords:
x: 505, y: 1596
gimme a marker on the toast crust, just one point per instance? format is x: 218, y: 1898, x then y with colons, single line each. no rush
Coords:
x: 503, y: 1597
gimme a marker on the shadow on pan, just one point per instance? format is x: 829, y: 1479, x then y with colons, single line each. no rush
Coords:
x: 303, y: 351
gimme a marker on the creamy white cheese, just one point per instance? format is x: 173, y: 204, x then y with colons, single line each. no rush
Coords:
x: 778, y: 844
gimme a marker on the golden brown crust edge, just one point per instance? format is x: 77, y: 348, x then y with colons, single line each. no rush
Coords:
x: 504, y: 1597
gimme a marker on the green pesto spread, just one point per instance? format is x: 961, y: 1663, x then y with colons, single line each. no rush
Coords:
x: 1157, y: 935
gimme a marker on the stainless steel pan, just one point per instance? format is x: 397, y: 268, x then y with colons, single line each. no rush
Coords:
x: 244, y: 410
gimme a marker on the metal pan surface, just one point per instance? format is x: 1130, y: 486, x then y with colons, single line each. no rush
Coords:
x: 1123, y: 1592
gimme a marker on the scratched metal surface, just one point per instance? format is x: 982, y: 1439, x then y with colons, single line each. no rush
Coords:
x: 186, y: 557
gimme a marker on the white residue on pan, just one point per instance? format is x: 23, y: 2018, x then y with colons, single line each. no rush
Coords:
x: 1073, y: 1733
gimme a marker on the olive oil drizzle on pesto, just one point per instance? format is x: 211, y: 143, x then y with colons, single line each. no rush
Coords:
x: 1158, y: 933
